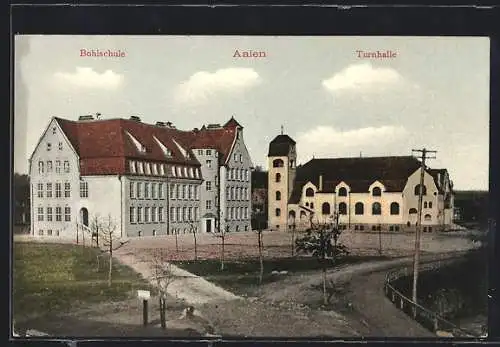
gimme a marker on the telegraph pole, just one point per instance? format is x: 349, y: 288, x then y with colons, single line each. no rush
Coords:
x: 416, y: 258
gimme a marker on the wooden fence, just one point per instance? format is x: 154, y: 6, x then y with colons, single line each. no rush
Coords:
x: 427, y: 318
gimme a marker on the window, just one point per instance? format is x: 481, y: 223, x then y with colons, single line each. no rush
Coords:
x: 140, y: 167
x: 184, y: 191
x: 132, y: 190
x: 173, y: 171
x: 60, y: 146
x: 40, y: 214
x: 146, y: 214
x: 154, y: 192
x: 343, y: 191
x: 228, y: 193
x: 311, y: 205
x: 58, y: 190
x: 278, y: 177
x: 153, y: 214
x: 231, y: 213
x: 235, y: 157
x: 49, y: 166
x: 178, y: 214
x: 172, y: 214
x: 209, y: 164
x: 172, y: 191
x: 49, y: 146
x: 67, y: 190
x: 427, y: 217
x: 417, y: 190
x: 309, y: 192
x: 241, y: 158
x: 49, y: 190
x: 178, y: 191
x: 139, y: 190
x: 58, y: 166
x: 394, y: 208
x: 155, y: 169
x: 190, y: 213
x: 425, y: 204
x: 185, y: 172
x: 132, y: 214
x: 40, y: 190
x: 67, y: 214
x: 278, y: 212
x: 160, y: 214
x: 232, y: 193
x: 195, y: 189
x: 412, y: 210
x: 209, y: 204
x: 376, y: 191
x: 66, y: 166
x: 342, y: 208
x: 184, y: 213
x: 160, y: 191
x: 246, y: 175
x: 209, y: 185
x: 148, y: 169
x: 376, y: 208
x: 325, y: 208
x: 196, y: 213
x: 359, y: 208
x: 208, y: 152
x: 278, y: 163
x: 227, y: 175
x: 40, y: 232
x: 132, y: 166
x: 146, y: 190
x: 430, y: 204
x: 139, y: 214
x: 49, y: 232
x: 58, y: 214
x: 40, y: 167
x: 246, y: 212
x: 162, y: 169
x: 49, y: 214
x: 190, y: 191
x: 278, y: 195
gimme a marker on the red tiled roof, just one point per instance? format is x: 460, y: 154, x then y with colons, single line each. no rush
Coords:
x: 103, y: 145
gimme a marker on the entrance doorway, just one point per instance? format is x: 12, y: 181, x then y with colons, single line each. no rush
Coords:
x: 84, y: 216
x: 208, y: 225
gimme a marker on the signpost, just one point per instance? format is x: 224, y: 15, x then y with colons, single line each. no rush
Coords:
x: 144, y: 295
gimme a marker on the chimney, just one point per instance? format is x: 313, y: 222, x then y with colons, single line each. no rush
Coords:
x: 135, y: 118
x: 320, y: 183
x: 160, y: 124
x: 86, y: 117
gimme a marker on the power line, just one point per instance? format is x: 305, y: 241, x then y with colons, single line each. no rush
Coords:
x: 424, y: 155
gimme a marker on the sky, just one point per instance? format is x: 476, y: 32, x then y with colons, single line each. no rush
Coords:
x: 431, y: 92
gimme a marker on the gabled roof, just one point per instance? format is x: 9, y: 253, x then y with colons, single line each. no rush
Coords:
x: 359, y: 173
x: 280, y: 146
x: 105, y: 142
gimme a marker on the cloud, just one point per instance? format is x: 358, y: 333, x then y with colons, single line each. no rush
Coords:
x: 362, y: 77
x: 200, y: 86
x: 328, y: 142
x: 86, y: 77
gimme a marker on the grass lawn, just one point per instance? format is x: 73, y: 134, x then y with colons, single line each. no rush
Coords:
x: 51, y: 278
x: 241, y: 276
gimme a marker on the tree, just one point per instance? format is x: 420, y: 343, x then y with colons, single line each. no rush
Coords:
x: 321, y: 241
x: 163, y: 276
x: 106, y: 229
x: 193, y: 228
x: 258, y: 215
x: 21, y: 198
x: 222, y: 235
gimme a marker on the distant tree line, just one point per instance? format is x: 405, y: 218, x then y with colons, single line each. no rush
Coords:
x: 21, y: 203
x: 472, y: 207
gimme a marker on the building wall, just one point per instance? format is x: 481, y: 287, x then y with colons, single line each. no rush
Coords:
x: 67, y: 172
x: 278, y: 222
x: 429, y: 214
x: 236, y: 189
x: 209, y: 189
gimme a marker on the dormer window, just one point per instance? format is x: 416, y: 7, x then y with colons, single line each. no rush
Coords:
x: 162, y: 169
x: 179, y: 171
x: 132, y: 166
x: 209, y: 152
x: 139, y: 146
x: 166, y: 151
x: 185, y: 172
x: 148, y: 169
x: 343, y: 191
x: 140, y: 167
x: 191, y: 174
x: 309, y: 192
x: 173, y: 171
x: 155, y: 169
x: 376, y: 191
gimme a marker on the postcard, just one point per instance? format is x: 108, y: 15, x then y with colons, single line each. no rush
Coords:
x: 250, y: 186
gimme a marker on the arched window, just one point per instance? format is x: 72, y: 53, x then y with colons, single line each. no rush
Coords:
x: 278, y: 163
x: 417, y: 190
x: 325, y: 208
x: 307, y: 204
x: 394, y: 208
x: 278, y: 177
x: 278, y: 212
x: 342, y: 192
x: 412, y: 210
x: 427, y: 217
x: 376, y: 191
x: 342, y: 208
x: 303, y: 215
x: 291, y: 215
x: 376, y: 208
x: 309, y: 192
x: 359, y: 208
x: 278, y: 195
